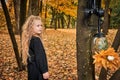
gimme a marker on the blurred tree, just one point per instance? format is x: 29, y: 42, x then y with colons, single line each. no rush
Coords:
x: 23, y: 8
x: 46, y: 9
x: 69, y: 18
x: 116, y: 75
x: 106, y: 23
x: 116, y: 42
x: 17, y: 13
x: 103, y: 74
x: 85, y: 65
x: 33, y: 8
x: 61, y: 9
x: 11, y: 33
x: 41, y: 6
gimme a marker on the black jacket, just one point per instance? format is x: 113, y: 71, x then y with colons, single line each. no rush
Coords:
x: 36, y: 50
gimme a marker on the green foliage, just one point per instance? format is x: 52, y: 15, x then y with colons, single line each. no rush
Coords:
x: 115, y: 15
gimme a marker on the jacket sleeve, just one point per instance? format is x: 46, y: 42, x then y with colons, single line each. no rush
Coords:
x: 40, y: 56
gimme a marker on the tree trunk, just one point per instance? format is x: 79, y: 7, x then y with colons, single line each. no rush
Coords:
x: 62, y: 20
x: 84, y: 55
x: 106, y: 22
x: 55, y: 21
x: 53, y: 16
x: 116, y: 42
x: 103, y: 74
x: 106, y: 17
x: 23, y: 4
x: 12, y: 36
x: 68, y: 25
x: 58, y: 20
x: 33, y: 7
x: 17, y: 17
x: 45, y: 15
x: 116, y: 75
x: 41, y: 6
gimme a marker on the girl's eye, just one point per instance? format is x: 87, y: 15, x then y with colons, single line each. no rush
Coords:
x: 39, y: 25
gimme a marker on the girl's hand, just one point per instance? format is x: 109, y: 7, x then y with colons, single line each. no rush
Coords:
x: 46, y: 75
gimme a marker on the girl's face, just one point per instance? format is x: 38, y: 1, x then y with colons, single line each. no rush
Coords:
x: 37, y: 27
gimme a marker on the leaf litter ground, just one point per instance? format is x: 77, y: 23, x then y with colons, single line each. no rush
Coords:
x: 60, y: 46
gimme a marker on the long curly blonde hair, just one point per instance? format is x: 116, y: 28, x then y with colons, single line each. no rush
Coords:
x: 27, y: 33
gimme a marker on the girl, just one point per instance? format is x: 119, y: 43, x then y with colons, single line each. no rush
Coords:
x: 33, y: 50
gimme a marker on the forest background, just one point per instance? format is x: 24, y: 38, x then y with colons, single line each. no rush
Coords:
x: 60, y: 20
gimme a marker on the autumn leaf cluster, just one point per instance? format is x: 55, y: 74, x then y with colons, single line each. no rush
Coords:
x: 108, y: 59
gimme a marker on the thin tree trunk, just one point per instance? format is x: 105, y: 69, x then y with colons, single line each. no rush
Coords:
x: 85, y: 66
x: 116, y: 42
x: 45, y: 15
x: 33, y: 7
x: 12, y: 36
x: 106, y: 16
x: 53, y: 16
x: 103, y: 74
x: 55, y: 24
x: 116, y: 75
x: 23, y: 4
x: 62, y: 20
x: 58, y: 20
x: 69, y: 18
x: 41, y: 6
x: 17, y: 16
x: 106, y: 22
x: 55, y: 21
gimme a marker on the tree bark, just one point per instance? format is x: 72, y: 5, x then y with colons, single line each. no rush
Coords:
x: 62, y: 20
x: 41, y: 6
x: 106, y: 17
x: 58, y: 20
x: 84, y: 55
x: 103, y: 74
x: 23, y: 4
x: 69, y: 18
x: 106, y: 24
x: 17, y: 16
x: 53, y: 16
x: 12, y: 36
x: 45, y: 16
x: 116, y: 75
x: 33, y: 7
x: 55, y: 21
x: 116, y: 42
